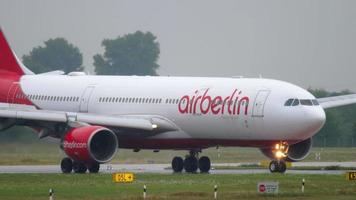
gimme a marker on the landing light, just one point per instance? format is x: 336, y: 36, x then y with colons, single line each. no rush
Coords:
x: 280, y: 150
x: 280, y: 154
x: 154, y: 126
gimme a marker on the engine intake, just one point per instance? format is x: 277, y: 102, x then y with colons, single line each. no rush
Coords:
x: 299, y: 151
x: 90, y: 144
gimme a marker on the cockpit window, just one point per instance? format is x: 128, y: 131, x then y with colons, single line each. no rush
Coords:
x: 315, y: 102
x: 289, y: 102
x: 295, y: 102
x: 306, y: 102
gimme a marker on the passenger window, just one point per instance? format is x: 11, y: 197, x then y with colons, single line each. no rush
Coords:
x: 289, y: 102
x: 295, y: 102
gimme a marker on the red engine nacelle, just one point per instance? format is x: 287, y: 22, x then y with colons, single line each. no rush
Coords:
x: 90, y: 144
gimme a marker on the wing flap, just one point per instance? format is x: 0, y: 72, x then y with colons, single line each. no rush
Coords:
x: 41, y: 116
x: 152, y: 123
x: 116, y: 121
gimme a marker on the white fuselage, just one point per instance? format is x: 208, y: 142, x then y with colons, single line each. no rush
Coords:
x: 238, y: 109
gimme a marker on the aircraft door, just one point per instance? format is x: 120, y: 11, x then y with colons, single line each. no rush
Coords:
x: 259, y: 104
x: 84, y: 102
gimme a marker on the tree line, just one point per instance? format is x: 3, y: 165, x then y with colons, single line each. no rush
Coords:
x: 340, y: 125
x: 132, y: 54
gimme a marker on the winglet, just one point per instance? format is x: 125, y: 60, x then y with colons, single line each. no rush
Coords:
x: 9, y: 63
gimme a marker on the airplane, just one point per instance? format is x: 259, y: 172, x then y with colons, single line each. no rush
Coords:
x: 94, y: 116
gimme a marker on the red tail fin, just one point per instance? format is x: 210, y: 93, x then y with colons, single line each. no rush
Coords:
x: 8, y: 61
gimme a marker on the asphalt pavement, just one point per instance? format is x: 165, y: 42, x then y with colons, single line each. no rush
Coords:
x: 165, y: 168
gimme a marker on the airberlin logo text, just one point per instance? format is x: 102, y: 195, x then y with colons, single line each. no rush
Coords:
x: 234, y: 104
x: 74, y: 145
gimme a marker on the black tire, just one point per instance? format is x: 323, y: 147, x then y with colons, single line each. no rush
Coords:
x: 191, y: 164
x: 177, y: 164
x: 204, y: 164
x: 66, y: 165
x: 94, y: 168
x: 274, y: 166
x: 282, y: 167
x: 79, y: 168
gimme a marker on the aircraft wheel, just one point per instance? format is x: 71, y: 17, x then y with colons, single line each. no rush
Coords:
x: 94, y: 168
x: 204, y: 164
x: 191, y: 164
x: 66, y: 165
x: 79, y: 168
x: 177, y: 164
x: 273, y: 166
x: 282, y: 167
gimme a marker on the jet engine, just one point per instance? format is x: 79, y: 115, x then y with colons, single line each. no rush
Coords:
x: 6, y: 123
x: 90, y: 144
x: 296, y: 152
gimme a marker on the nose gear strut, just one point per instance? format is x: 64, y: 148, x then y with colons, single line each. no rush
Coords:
x: 280, y: 152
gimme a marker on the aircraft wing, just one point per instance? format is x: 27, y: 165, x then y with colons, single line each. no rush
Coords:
x: 150, y: 124
x: 336, y: 101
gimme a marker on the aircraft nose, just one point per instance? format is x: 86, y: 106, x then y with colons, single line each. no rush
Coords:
x: 315, y: 119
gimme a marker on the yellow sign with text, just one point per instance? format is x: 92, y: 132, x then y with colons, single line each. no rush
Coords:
x: 126, y: 177
x: 351, y: 176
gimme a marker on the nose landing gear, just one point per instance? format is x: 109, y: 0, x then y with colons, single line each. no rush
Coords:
x: 280, y: 152
x: 191, y: 163
x: 277, y: 166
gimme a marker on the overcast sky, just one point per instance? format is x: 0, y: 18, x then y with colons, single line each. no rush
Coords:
x: 309, y: 43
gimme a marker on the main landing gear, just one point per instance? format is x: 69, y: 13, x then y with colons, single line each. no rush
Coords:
x: 68, y: 165
x: 191, y: 163
x: 280, y: 152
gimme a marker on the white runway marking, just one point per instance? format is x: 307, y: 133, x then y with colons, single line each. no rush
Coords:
x: 165, y: 168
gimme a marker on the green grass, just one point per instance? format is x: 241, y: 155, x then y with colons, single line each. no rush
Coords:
x: 46, y: 153
x: 172, y: 186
